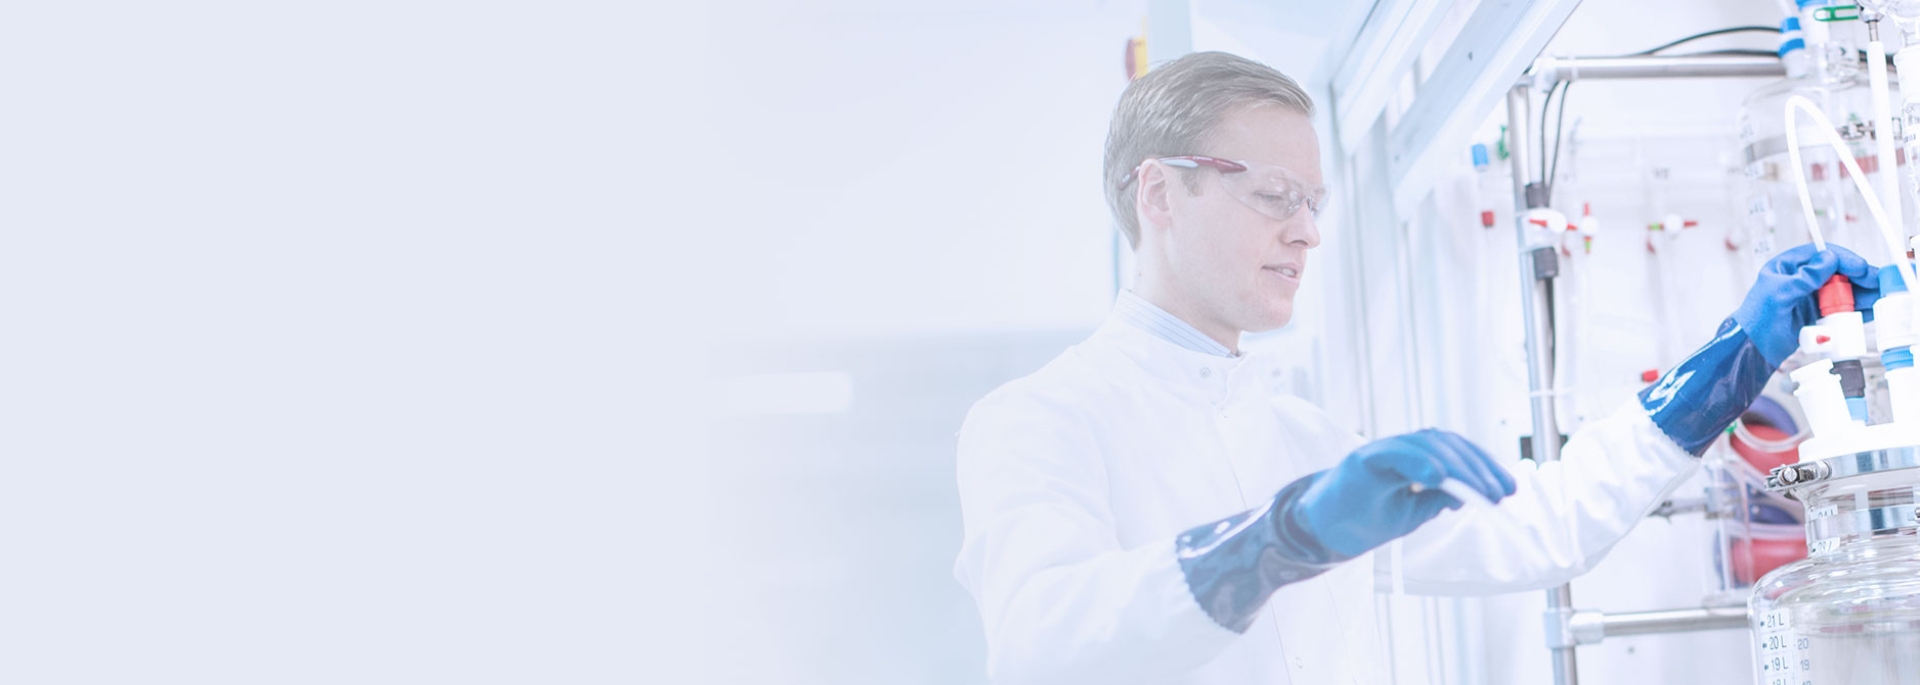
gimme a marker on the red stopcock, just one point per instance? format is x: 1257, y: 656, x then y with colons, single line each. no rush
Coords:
x: 1836, y: 296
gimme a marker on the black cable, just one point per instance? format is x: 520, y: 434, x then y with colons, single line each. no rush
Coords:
x: 1539, y: 166
x: 1559, y: 137
x: 1738, y: 53
x: 1550, y: 170
x: 1708, y: 34
x: 1546, y: 105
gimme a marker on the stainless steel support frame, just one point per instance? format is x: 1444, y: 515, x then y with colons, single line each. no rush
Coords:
x: 1537, y: 305
x: 1590, y: 627
x: 1548, y: 70
x: 1566, y: 627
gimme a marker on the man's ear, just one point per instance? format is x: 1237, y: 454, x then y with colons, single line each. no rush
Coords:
x: 1151, y: 199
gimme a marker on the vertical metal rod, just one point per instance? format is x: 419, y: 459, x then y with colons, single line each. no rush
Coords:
x: 1537, y: 304
x: 1535, y: 293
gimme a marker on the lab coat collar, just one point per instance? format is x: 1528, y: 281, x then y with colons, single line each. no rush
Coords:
x: 1216, y: 379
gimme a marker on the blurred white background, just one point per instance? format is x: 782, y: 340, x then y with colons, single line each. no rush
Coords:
x: 332, y: 348
x: 376, y: 342
x: 919, y: 187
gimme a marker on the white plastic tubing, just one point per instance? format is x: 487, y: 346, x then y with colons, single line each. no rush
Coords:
x: 1889, y: 229
x: 1883, y: 142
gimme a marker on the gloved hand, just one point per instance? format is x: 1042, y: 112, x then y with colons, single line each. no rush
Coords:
x: 1696, y: 400
x: 1315, y: 523
x: 1369, y: 499
x: 1781, y: 301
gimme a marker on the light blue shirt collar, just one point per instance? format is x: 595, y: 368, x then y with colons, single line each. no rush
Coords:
x: 1136, y: 310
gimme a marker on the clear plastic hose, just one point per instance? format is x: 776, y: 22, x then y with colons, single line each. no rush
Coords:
x: 1889, y: 229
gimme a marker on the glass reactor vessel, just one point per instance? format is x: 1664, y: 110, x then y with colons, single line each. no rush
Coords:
x: 1850, y: 612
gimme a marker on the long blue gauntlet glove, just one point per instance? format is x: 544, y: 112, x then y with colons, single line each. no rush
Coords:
x: 1701, y: 396
x: 1319, y: 521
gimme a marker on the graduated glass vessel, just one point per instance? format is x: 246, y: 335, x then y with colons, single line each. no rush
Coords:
x: 1850, y: 612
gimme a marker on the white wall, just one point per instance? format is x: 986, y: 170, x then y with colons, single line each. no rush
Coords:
x: 324, y: 357
x: 920, y: 171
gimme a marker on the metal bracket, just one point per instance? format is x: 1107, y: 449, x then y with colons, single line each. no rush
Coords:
x: 1693, y: 505
x: 1587, y: 627
x: 1546, y: 263
x: 1560, y: 628
x: 1536, y: 195
x: 1797, y: 474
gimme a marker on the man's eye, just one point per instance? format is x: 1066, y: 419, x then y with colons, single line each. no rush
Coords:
x: 1289, y: 200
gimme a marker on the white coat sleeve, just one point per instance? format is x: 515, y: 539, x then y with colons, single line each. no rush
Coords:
x: 1564, y: 517
x: 1060, y: 599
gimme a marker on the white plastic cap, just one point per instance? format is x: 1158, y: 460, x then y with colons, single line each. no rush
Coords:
x: 1907, y: 62
x: 1903, y: 394
x: 1548, y: 219
x: 1589, y: 226
x: 1798, y: 63
x: 1840, y: 336
x: 1893, y: 319
x: 1814, y: 30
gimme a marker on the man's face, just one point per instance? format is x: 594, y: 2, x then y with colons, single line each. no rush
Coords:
x: 1236, y: 266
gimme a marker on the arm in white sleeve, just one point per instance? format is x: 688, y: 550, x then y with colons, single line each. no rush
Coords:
x: 1563, y: 518
x: 1060, y: 599
x: 1567, y: 514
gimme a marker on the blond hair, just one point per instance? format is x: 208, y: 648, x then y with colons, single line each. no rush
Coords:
x: 1172, y: 111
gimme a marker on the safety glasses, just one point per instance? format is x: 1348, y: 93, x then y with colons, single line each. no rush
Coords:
x: 1269, y: 189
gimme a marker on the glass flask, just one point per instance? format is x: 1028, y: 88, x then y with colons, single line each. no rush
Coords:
x: 1757, y: 530
x: 1850, y: 612
x: 1774, y: 218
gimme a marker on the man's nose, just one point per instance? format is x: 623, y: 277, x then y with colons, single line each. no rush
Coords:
x: 1303, y: 230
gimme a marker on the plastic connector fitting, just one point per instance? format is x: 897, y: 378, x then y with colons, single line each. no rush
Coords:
x: 1906, y: 64
x: 1552, y: 221
x: 1823, y: 400
x: 1838, y: 337
x: 1893, y: 312
x: 1835, y: 296
x: 1903, y: 385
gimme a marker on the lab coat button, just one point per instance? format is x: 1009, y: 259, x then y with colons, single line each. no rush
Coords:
x: 1206, y: 371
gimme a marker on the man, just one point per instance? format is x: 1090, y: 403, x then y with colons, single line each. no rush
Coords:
x: 1143, y: 510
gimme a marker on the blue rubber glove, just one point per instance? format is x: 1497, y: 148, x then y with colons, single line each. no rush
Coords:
x: 1315, y: 523
x: 1781, y: 301
x: 1368, y: 499
x: 1696, y: 400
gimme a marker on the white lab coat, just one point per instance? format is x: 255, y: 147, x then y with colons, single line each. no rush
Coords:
x: 1074, y: 482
